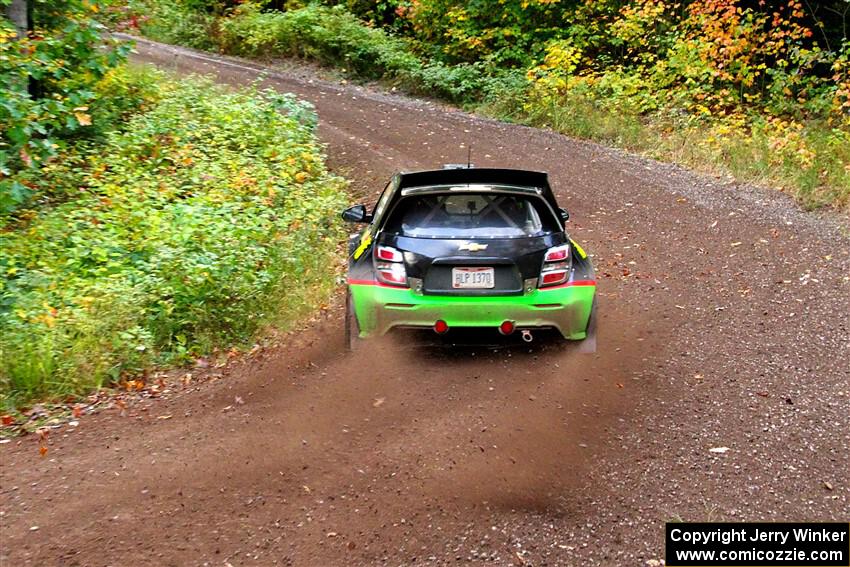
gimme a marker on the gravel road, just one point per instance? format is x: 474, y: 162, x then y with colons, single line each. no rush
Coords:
x: 725, y: 322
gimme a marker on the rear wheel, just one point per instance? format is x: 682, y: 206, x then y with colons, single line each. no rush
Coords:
x: 352, y: 328
x: 588, y: 345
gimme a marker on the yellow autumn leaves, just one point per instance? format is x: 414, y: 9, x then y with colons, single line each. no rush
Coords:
x: 82, y: 116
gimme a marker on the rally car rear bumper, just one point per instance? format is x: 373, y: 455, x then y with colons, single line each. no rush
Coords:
x: 380, y: 307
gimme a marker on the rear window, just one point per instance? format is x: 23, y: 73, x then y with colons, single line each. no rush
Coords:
x: 470, y: 215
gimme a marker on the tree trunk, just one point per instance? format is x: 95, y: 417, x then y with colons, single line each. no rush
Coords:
x: 19, y: 14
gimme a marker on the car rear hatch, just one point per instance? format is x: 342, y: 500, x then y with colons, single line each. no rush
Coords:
x: 469, y: 240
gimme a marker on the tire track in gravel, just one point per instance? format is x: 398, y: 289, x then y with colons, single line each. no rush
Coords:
x: 725, y: 322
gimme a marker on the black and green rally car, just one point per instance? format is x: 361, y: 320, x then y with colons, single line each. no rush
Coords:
x: 468, y: 248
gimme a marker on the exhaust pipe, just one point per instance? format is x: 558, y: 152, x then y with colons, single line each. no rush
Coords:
x: 526, y: 336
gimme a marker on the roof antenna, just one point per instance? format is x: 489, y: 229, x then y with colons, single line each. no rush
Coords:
x: 468, y: 164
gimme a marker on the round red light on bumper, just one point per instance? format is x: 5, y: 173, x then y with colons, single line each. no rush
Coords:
x: 507, y: 327
x: 441, y: 327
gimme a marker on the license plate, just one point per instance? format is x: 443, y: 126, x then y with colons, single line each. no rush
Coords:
x: 473, y: 278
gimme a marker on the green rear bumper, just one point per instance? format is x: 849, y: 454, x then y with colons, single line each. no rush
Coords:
x: 379, y: 308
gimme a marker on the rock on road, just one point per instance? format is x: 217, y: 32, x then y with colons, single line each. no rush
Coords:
x: 725, y: 323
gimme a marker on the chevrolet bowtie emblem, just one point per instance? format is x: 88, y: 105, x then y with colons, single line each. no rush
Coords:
x: 472, y: 246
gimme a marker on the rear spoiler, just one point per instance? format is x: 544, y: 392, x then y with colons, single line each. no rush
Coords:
x: 490, y: 176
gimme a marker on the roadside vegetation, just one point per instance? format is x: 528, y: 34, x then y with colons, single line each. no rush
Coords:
x: 758, y: 90
x: 146, y: 221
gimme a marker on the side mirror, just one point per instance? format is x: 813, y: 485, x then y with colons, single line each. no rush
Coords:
x: 565, y: 214
x: 357, y: 213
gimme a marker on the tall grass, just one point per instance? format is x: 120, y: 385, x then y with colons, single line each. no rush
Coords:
x: 810, y: 161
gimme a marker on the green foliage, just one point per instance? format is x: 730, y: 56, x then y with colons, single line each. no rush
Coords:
x: 748, y: 88
x: 117, y: 96
x: 760, y: 90
x: 334, y: 37
x: 384, y: 13
x: 508, y: 33
x: 176, y: 22
x: 48, y: 90
x: 203, y: 220
x: 328, y: 35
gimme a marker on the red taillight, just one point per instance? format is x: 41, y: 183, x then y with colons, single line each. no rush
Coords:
x: 553, y: 277
x: 391, y: 273
x: 507, y: 327
x: 389, y: 265
x: 389, y: 254
x: 441, y: 327
x: 556, y: 266
x: 557, y: 254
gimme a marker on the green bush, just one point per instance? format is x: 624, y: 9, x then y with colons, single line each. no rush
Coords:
x: 48, y: 95
x: 174, y: 22
x: 334, y: 37
x: 331, y: 36
x: 183, y: 22
x: 206, y: 218
x: 115, y: 98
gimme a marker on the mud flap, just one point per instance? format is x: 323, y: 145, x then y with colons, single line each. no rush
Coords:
x: 588, y: 345
x: 352, y: 327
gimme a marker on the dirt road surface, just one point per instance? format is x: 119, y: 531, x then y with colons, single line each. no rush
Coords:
x: 725, y: 323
